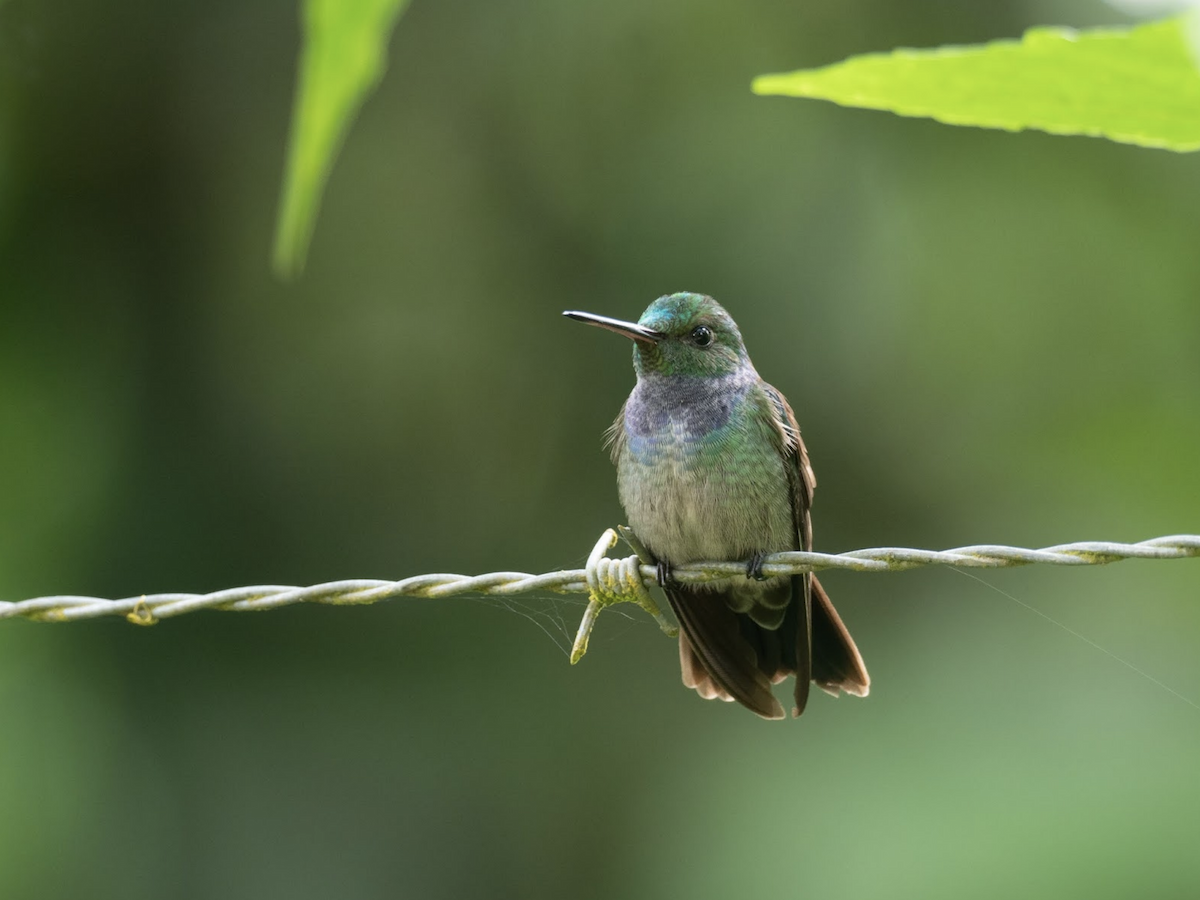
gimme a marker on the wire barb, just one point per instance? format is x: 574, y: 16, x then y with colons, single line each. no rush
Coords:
x: 606, y: 580
x: 614, y: 581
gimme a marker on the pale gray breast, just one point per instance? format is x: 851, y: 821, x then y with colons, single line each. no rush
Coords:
x: 686, y: 502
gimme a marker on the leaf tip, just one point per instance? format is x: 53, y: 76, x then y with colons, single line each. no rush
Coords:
x: 793, y: 84
x: 287, y: 260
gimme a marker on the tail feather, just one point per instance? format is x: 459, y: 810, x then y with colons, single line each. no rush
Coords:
x: 837, y: 664
x: 695, y: 675
x: 711, y: 629
x: 768, y: 648
x: 802, y: 640
x: 728, y: 656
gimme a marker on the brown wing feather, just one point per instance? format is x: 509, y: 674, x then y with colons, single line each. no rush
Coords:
x: 825, y: 652
x: 803, y: 482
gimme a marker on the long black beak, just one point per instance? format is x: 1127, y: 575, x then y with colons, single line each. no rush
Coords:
x: 631, y: 330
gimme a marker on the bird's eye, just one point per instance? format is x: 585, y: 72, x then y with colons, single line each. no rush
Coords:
x: 702, y: 335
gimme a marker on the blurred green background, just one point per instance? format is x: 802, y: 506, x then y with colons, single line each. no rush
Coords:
x: 986, y: 338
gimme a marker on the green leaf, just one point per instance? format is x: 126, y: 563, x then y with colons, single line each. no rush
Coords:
x: 1133, y: 85
x: 345, y: 54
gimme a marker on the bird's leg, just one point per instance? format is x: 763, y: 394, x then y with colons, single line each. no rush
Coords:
x: 754, y: 567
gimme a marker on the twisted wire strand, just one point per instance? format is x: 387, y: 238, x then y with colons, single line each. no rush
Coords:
x: 150, y: 608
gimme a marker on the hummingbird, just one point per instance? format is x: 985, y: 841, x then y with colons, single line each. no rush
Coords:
x: 710, y: 466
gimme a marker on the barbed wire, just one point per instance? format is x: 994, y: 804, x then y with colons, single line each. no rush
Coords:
x: 606, y: 580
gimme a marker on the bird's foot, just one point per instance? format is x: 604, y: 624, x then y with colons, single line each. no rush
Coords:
x: 664, y: 575
x: 754, y: 567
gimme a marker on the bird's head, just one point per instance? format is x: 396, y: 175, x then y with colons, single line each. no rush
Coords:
x: 680, y: 334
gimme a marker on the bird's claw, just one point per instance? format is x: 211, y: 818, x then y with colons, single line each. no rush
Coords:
x: 754, y: 567
x: 663, y: 574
